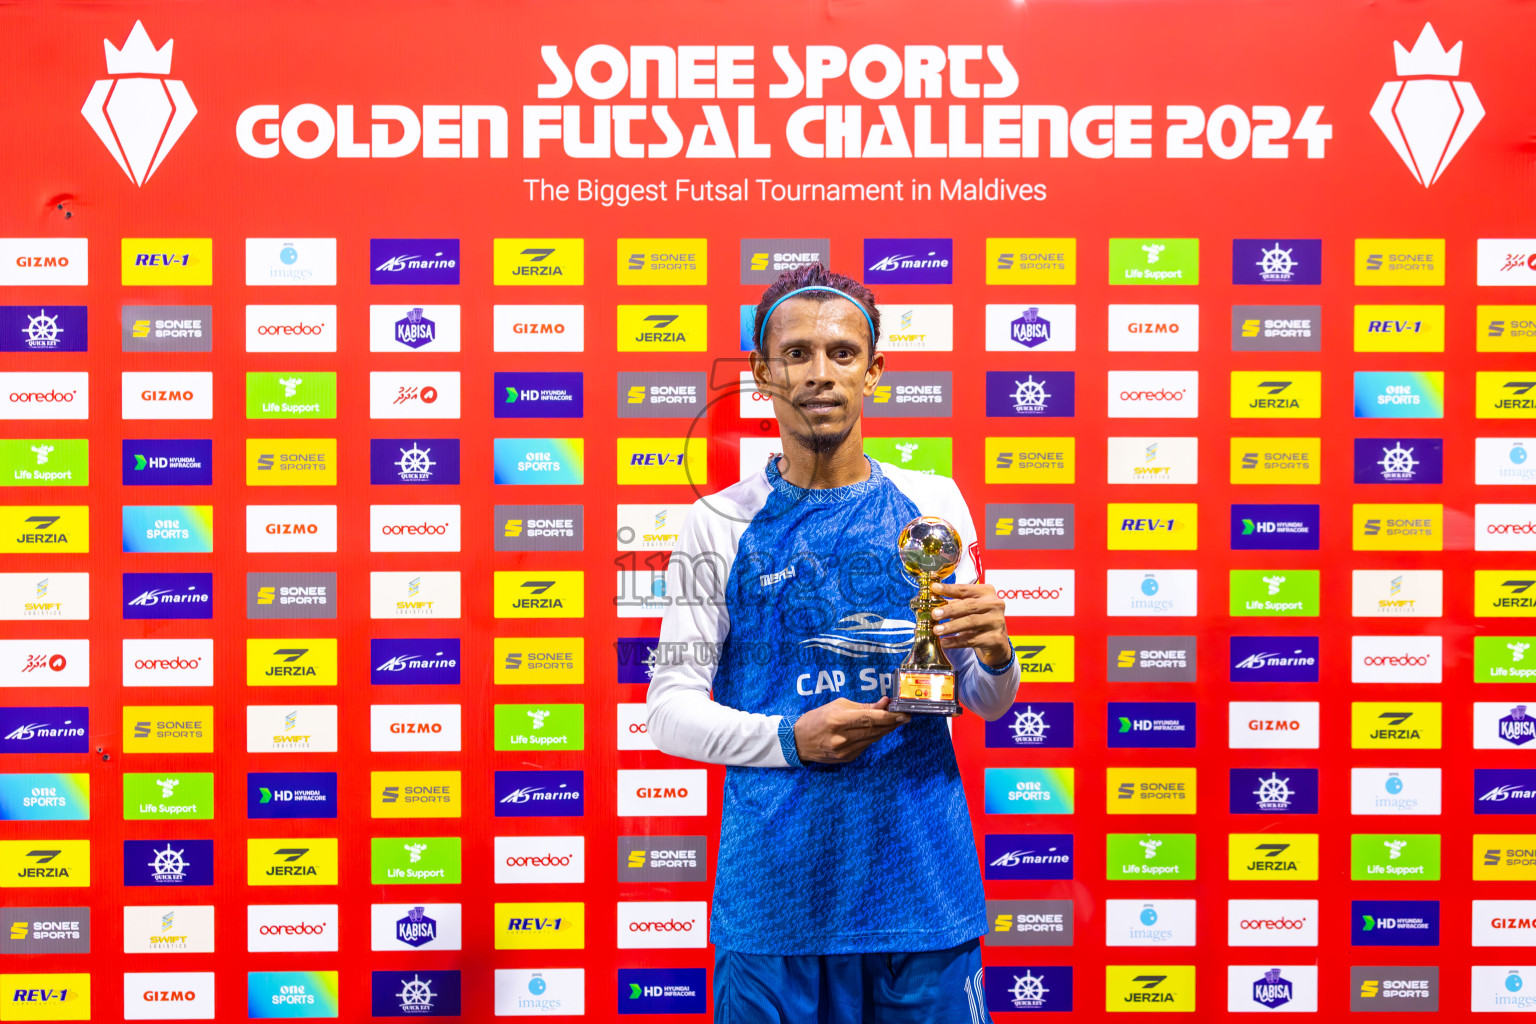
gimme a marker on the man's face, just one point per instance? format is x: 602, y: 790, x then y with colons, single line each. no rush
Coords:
x: 817, y: 370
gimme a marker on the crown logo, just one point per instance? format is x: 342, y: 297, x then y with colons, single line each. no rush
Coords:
x: 138, y: 119
x: 1428, y: 57
x: 139, y: 56
x: 1427, y: 119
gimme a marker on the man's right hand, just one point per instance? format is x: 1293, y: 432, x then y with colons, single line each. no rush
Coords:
x: 838, y: 732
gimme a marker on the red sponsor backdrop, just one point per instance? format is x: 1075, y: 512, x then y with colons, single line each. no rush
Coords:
x: 1294, y: 55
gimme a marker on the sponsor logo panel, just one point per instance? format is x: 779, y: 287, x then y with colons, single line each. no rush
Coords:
x: 1030, y: 790
x: 158, y: 463
x: 1398, y: 725
x: 1150, y: 790
x: 292, y: 994
x: 538, y: 261
x: 1400, y: 394
x: 1029, y: 260
x: 167, y: 929
x: 1506, y: 328
x: 45, y: 863
x: 45, y: 930
x: 1164, y: 261
x: 1154, y: 394
x: 44, y: 261
x: 43, y: 328
x: 1277, y: 261
x: 1277, y: 328
x: 1166, y: 592
x: 1031, y: 327
x: 1389, y: 989
x: 1173, y: 328
x: 167, y: 328
x: 1029, y: 923
x: 1399, y: 328
x: 1400, y: 261
x: 663, y: 261
x: 290, y: 261
x: 290, y: 328
x: 1272, y: 791
x: 1395, y: 791
x: 1270, y: 856
x: 45, y: 396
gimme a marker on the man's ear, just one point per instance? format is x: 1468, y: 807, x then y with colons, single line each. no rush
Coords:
x: 873, y: 371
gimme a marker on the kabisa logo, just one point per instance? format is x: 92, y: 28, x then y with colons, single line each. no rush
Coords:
x: 1036, y: 725
x: 1272, y: 991
x: 1273, y: 791
x: 404, y: 460
x: 909, y: 260
x: 1517, y: 728
x: 139, y: 118
x: 1427, y: 119
x: 413, y: 260
x: 414, y: 329
x: 522, y: 794
x: 1029, y: 328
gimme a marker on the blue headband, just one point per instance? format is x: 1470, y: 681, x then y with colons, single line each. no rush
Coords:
x: 762, y: 328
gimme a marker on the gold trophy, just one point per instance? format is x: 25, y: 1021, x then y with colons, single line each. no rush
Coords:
x: 930, y: 549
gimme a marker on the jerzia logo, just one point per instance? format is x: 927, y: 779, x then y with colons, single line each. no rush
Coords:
x: 1427, y: 118
x: 139, y: 118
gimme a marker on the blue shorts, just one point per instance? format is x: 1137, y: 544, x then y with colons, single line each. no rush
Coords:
x: 937, y: 987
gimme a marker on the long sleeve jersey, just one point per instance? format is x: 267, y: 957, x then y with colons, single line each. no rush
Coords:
x: 783, y: 599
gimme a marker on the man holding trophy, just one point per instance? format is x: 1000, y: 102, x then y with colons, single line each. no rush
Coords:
x: 832, y: 621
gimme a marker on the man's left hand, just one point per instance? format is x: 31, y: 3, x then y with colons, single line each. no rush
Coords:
x: 972, y: 616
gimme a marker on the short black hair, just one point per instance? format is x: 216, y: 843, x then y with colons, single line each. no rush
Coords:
x: 813, y: 275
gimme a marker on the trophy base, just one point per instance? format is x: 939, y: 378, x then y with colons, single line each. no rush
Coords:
x: 925, y: 693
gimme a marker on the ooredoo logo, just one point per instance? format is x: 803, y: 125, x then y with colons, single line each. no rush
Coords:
x: 1165, y: 394
x: 1505, y: 527
x: 1396, y: 659
x: 539, y: 859
x: 1035, y: 592
x: 160, y: 661
x: 290, y: 328
x: 292, y: 928
x: 1271, y: 922
x: 662, y: 925
x: 414, y: 527
x: 44, y: 396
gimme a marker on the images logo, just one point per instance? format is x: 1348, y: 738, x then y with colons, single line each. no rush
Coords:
x: 139, y: 119
x: 1427, y: 119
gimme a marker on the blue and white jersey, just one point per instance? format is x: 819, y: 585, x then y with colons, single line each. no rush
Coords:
x: 784, y: 599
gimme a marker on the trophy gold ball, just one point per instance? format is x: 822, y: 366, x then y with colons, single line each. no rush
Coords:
x: 929, y: 549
